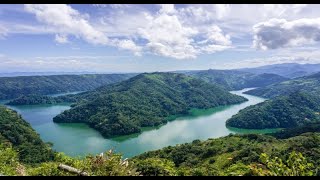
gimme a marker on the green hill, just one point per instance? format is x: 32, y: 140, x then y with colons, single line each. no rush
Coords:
x: 236, y: 80
x: 293, y: 110
x: 235, y: 155
x: 308, y: 83
x: 14, y: 87
x: 17, y: 132
x: 145, y: 100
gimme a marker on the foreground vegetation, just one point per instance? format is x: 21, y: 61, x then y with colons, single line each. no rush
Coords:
x: 293, y: 110
x: 288, y: 152
x: 14, y: 87
x: 145, y: 100
x: 18, y: 133
x: 236, y: 155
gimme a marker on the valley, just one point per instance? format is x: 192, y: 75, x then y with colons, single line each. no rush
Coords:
x: 80, y: 139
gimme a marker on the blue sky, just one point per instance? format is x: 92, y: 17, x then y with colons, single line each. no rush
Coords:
x: 146, y: 38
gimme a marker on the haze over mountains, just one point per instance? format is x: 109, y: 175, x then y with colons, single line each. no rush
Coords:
x: 289, y: 70
x: 309, y: 83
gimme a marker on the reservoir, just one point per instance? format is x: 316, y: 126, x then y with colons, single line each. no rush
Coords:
x: 80, y: 140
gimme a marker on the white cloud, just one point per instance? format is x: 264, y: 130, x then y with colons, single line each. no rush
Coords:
x: 176, y: 31
x: 67, y: 20
x: 222, y: 10
x: 168, y: 37
x: 61, y: 38
x: 278, y: 33
x: 167, y: 8
x: 3, y: 31
x: 129, y: 45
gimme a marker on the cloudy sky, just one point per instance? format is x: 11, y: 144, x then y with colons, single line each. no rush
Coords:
x: 144, y: 38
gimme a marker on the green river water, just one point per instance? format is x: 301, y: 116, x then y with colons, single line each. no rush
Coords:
x: 79, y: 139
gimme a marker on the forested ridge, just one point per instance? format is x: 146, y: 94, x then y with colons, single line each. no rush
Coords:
x: 293, y: 110
x: 236, y: 155
x: 17, y: 132
x: 308, y: 83
x: 143, y: 101
x: 14, y: 87
x: 236, y: 80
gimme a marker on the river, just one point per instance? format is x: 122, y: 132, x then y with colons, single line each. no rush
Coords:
x: 79, y: 139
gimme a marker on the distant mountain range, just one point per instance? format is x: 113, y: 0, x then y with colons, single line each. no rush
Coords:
x: 290, y: 70
x: 236, y: 80
x: 307, y: 83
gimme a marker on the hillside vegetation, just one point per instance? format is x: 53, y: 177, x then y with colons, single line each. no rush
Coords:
x: 308, y: 83
x: 296, y: 152
x: 293, y: 110
x: 236, y: 80
x: 145, y: 100
x: 236, y: 155
x: 18, y: 133
x: 14, y: 87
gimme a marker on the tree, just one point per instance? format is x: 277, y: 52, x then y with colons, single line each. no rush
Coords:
x: 295, y: 165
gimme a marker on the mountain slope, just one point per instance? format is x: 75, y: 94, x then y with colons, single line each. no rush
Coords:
x: 13, y: 87
x: 16, y: 131
x: 236, y: 80
x: 289, y: 70
x: 308, y: 83
x: 145, y: 100
x: 233, y: 155
x: 283, y: 112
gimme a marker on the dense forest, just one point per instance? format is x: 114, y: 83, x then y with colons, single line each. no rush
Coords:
x: 145, y: 100
x: 308, y: 83
x: 34, y: 99
x: 236, y: 155
x: 293, y: 110
x: 17, y: 132
x: 236, y: 80
x: 14, y: 87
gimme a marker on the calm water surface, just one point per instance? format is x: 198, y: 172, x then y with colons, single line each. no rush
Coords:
x: 79, y: 139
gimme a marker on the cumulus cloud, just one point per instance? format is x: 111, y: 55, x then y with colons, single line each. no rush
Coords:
x: 67, y: 20
x: 181, y: 32
x: 168, y: 36
x: 129, y: 45
x: 278, y: 33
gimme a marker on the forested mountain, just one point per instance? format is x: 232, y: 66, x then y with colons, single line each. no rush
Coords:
x: 34, y: 99
x: 289, y: 70
x: 143, y: 101
x: 14, y: 87
x: 293, y: 110
x: 17, y: 132
x: 236, y: 80
x: 236, y: 155
x: 308, y: 83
